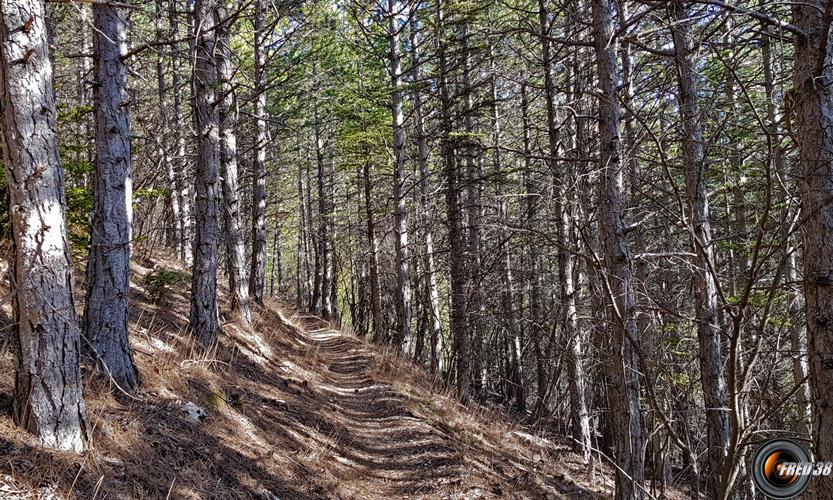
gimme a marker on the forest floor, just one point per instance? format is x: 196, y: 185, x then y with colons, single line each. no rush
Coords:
x: 293, y: 409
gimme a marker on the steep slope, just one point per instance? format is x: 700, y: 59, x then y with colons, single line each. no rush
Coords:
x: 293, y: 409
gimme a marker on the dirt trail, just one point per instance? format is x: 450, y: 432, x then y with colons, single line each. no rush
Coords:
x: 404, y: 441
x: 294, y: 409
x: 385, y: 441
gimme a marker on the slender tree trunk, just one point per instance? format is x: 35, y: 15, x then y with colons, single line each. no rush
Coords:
x: 475, y: 308
x: 332, y: 260
x: 705, y: 288
x: 276, y: 264
x: 373, y: 246
x: 323, y: 223
x: 258, y: 267
x: 661, y: 469
x: 533, y: 275
x: 621, y: 363
x: 432, y: 295
x: 181, y: 186
x: 84, y: 89
x: 403, y: 278
x: 565, y: 259
x: 797, y: 334
x: 812, y: 103
x: 314, y: 268
x: 455, y: 234
x: 204, y: 322
x: 235, y: 250
x: 108, y: 266
x: 48, y: 397
x: 574, y: 337
x: 300, y: 288
x: 508, y: 296
x: 173, y: 221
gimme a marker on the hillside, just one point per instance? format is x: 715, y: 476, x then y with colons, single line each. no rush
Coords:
x: 294, y: 409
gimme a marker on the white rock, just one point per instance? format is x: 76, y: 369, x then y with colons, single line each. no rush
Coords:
x: 196, y: 413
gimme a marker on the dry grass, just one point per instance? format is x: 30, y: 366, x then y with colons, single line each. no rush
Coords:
x: 295, y: 409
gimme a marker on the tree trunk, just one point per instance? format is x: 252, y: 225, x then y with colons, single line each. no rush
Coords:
x: 323, y: 223
x: 276, y: 264
x: 565, y: 211
x: 180, y: 162
x: 300, y: 286
x: 567, y: 297
x: 475, y: 308
x: 108, y: 266
x: 257, y: 275
x: 313, y: 268
x: 705, y: 288
x: 455, y: 235
x: 373, y: 246
x: 204, y: 322
x: 431, y: 293
x: 812, y: 102
x: 621, y: 363
x: 533, y: 276
x: 796, y: 329
x: 403, y: 278
x: 508, y: 296
x: 235, y: 251
x: 47, y: 398
x: 173, y: 221
x: 332, y: 255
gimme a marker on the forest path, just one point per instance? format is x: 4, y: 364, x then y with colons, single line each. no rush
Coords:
x: 407, y: 454
x: 403, y: 441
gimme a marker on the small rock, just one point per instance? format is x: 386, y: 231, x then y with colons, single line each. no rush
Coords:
x: 196, y: 413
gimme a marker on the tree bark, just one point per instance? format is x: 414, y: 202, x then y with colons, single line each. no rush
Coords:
x: 455, y: 235
x: 173, y: 220
x: 277, y: 261
x: 108, y: 266
x: 431, y: 293
x: 797, y: 333
x: 403, y: 278
x: 566, y: 209
x: 48, y: 394
x: 300, y: 285
x: 621, y: 363
x: 204, y: 322
x: 475, y: 308
x: 373, y: 247
x: 508, y: 296
x: 532, y: 275
x: 812, y: 103
x: 324, y: 246
x: 180, y: 162
x: 257, y: 275
x: 235, y: 250
x: 705, y: 288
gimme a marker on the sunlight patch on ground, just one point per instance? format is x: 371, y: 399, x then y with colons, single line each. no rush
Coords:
x: 161, y: 345
x: 325, y: 334
x: 257, y: 350
x: 297, y: 370
x: 248, y: 428
x: 347, y: 391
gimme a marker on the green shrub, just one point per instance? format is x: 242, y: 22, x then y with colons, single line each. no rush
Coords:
x: 159, y: 283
